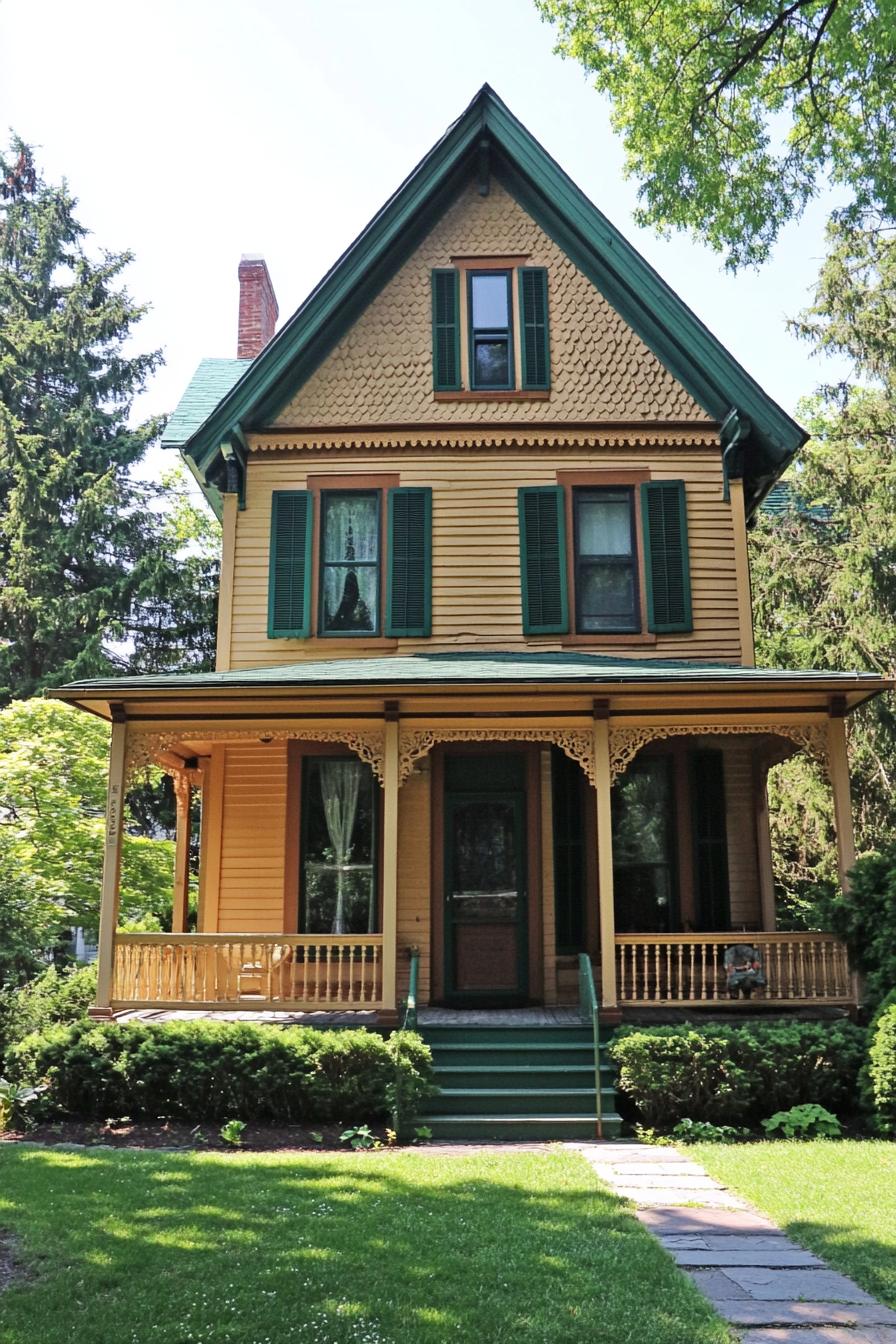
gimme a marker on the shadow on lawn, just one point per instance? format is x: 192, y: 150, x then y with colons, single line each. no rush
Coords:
x: 389, y: 1248
x: 870, y: 1262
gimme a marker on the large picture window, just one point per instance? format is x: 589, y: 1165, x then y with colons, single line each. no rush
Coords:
x: 339, y: 888
x: 350, y: 563
x: 644, y: 858
x: 606, y: 564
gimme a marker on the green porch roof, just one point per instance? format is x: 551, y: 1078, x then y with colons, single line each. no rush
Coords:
x: 443, y: 669
x: 488, y: 139
x: 210, y: 383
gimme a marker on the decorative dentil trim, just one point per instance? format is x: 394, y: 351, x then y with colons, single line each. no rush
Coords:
x: 415, y: 743
x: 144, y: 747
x: 625, y: 743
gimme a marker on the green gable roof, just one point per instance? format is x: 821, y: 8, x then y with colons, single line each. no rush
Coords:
x: 462, y: 668
x: 487, y: 137
x: 209, y: 385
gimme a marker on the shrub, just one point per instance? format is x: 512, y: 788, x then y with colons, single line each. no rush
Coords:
x: 865, y: 917
x: 701, y: 1131
x: 213, y: 1070
x: 722, y: 1074
x: 808, y: 1121
x: 882, y: 1070
x: 54, y: 996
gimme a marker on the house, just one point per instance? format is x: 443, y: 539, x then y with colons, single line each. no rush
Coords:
x: 485, y: 689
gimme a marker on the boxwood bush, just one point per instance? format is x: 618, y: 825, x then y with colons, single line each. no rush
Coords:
x: 205, y: 1070
x: 737, y: 1074
x: 882, y: 1069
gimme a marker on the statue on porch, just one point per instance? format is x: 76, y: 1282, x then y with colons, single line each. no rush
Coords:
x: 743, y: 969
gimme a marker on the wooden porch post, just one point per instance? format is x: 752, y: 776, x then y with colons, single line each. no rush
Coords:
x: 390, y: 860
x: 764, y: 846
x: 606, y: 909
x: 111, y: 863
x: 838, y: 765
x: 183, y: 793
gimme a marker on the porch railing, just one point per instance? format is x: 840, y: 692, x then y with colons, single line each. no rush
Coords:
x: 688, y: 968
x: 246, y: 970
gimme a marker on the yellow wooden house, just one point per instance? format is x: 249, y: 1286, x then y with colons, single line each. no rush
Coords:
x: 485, y: 686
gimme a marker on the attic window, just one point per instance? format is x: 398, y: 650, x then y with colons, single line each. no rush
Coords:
x: 491, y: 338
x: 490, y: 333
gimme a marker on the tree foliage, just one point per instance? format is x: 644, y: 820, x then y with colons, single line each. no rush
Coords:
x: 734, y: 113
x: 53, y: 768
x: 91, y: 575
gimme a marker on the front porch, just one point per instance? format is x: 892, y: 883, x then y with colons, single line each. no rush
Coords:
x: 500, y: 830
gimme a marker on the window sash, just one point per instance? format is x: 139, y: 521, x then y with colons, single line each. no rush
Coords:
x: 360, y: 898
x: 502, y: 336
x: 326, y: 629
x: 605, y: 621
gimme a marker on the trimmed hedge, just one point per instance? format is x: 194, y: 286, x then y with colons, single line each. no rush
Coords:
x: 216, y: 1070
x: 738, y: 1074
x: 882, y: 1069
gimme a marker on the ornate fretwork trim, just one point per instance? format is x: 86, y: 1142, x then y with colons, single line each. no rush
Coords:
x: 625, y: 743
x: 415, y: 743
x: 144, y: 747
x: 473, y: 438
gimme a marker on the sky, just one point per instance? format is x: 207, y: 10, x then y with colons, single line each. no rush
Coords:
x: 193, y: 131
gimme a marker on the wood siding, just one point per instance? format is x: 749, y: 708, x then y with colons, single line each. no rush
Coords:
x: 476, y: 569
x: 381, y: 370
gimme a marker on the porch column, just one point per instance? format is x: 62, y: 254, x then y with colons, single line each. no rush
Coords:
x: 111, y: 863
x: 606, y: 909
x: 742, y: 572
x: 764, y: 847
x: 838, y: 766
x: 183, y: 794
x: 390, y: 861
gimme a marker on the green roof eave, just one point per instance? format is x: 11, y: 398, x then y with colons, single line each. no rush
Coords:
x: 678, y: 338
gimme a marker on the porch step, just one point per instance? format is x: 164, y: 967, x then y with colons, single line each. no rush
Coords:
x: 518, y: 1082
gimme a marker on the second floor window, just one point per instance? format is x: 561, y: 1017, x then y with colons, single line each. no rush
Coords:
x: 606, y: 580
x: 350, y: 563
x: 491, y: 343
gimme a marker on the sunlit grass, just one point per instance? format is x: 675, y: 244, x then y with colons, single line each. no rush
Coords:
x: 837, y: 1198
x: 386, y: 1248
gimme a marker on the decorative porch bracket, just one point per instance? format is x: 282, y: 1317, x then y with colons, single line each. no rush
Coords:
x: 577, y: 743
x: 145, y: 746
x: 625, y: 743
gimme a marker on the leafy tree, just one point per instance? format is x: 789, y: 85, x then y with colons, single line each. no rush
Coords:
x: 734, y: 113
x: 97, y: 571
x: 53, y: 764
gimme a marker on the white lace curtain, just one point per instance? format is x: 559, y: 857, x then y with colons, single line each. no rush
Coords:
x: 340, y: 783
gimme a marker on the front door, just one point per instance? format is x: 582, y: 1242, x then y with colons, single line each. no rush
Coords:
x: 485, y: 897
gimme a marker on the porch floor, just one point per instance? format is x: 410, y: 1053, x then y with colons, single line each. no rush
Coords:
x: 499, y: 1017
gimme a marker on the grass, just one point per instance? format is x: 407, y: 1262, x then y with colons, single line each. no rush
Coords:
x: 837, y: 1198
x: 386, y: 1248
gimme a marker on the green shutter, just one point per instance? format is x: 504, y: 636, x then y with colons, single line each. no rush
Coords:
x: 536, y: 350
x: 445, y: 331
x: 543, y: 560
x: 709, y: 814
x: 289, y: 578
x: 409, y: 561
x: 666, y: 566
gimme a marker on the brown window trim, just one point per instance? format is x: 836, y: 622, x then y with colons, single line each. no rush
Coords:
x: 316, y: 483
x: 603, y: 479
x: 518, y: 394
x: 296, y: 751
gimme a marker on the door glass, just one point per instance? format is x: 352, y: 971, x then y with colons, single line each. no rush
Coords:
x: 484, y: 878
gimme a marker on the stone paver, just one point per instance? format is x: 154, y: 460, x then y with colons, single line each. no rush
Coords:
x: 752, y: 1273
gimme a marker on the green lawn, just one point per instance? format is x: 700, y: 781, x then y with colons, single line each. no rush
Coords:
x: 835, y: 1198
x: 378, y: 1248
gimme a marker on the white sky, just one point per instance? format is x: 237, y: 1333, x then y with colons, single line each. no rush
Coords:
x: 195, y: 130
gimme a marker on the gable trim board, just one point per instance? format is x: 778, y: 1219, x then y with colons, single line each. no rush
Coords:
x: 690, y: 352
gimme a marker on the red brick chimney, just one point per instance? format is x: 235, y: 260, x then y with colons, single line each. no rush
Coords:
x: 258, y: 308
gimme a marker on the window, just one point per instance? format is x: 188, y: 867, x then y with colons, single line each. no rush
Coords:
x: 491, y: 343
x: 349, y: 563
x: 367, y: 580
x: 339, y: 888
x: 644, y: 860
x: 601, y: 562
x: 606, y: 581
x: 506, y: 307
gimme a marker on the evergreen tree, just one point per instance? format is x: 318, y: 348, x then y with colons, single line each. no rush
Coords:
x: 90, y: 575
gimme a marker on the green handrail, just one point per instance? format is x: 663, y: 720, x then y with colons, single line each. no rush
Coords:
x: 409, y: 1021
x: 589, y: 1010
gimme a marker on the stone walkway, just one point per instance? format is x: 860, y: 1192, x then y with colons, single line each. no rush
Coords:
x: 754, y: 1275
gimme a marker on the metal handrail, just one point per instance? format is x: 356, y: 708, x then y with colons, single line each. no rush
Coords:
x: 409, y: 1022
x: 589, y: 1009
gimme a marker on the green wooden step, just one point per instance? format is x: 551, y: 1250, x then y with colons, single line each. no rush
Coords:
x: 490, y: 1035
x: 533, y: 1126
x: 517, y: 1052
x: 519, y: 1075
x: 513, y: 1101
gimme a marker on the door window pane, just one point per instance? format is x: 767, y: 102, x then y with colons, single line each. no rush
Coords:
x: 338, y: 852
x: 350, y: 567
x: 643, y: 847
x: 484, y: 879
